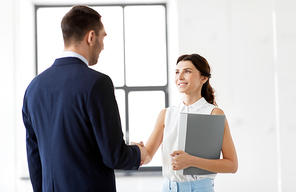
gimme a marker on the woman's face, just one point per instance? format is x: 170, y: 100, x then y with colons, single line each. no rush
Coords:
x: 188, y: 79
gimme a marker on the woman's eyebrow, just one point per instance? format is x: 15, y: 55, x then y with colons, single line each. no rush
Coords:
x: 184, y: 69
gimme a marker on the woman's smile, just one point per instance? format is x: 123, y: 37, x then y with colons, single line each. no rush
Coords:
x: 182, y: 84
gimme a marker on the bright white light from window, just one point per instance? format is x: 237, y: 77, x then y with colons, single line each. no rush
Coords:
x: 145, y: 45
x: 49, y: 35
x: 111, y: 60
x: 144, y: 107
x: 120, y: 98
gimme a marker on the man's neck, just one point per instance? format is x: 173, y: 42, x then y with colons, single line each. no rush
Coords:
x: 79, y: 50
x: 74, y: 54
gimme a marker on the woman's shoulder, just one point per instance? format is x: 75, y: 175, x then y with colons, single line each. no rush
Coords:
x: 171, y: 110
x: 217, y: 111
x: 174, y: 107
x: 163, y: 111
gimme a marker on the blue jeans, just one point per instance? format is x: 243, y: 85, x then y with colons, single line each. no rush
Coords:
x: 204, y: 185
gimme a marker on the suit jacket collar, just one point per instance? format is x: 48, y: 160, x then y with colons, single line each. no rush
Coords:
x: 67, y: 61
x: 74, y: 54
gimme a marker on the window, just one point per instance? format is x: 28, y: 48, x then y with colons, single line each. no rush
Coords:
x: 135, y: 57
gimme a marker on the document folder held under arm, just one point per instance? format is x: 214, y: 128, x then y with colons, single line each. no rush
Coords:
x: 202, y: 136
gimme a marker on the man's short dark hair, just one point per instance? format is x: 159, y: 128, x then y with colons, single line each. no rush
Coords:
x: 78, y: 21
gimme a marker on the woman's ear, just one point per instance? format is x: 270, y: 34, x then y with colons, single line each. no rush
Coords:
x: 204, y: 79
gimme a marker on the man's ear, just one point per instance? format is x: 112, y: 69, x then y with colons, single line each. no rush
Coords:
x: 90, y: 37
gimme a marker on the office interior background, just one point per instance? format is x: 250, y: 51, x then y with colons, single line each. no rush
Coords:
x: 250, y: 45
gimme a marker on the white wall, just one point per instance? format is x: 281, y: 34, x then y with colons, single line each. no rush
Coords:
x: 286, y: 35
x: 235, y: 36
x: 7, y: 105
x: 17, y: 70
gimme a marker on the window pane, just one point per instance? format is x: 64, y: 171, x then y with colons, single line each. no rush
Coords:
x: 120, y: 98
x: 111, y: 60
x: 144, y: 107
x: 50, y: 43
x: 145, y: 45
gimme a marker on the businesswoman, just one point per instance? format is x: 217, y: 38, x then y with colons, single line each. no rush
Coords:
x: 192, y: 79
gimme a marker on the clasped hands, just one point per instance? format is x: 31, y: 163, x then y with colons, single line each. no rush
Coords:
x: 144, y: 153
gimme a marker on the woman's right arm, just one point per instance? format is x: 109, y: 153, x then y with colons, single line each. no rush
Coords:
x: 156, y: 136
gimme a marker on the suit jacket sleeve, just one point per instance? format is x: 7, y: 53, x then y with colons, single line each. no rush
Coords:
x: 104, y: 116
x: 33, y: 157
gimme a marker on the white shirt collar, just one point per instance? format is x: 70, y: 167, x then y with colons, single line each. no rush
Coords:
x: 73, y: 54
x: 194, y: 107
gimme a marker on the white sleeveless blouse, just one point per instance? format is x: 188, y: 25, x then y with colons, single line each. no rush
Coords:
x: 169, y: 144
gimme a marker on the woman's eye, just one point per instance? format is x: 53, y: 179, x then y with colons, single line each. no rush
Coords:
x: 177, y: 72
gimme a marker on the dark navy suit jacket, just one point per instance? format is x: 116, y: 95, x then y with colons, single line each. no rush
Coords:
x: 73, y: 130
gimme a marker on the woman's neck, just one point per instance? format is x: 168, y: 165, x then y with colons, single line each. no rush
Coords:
x: 189, y: 99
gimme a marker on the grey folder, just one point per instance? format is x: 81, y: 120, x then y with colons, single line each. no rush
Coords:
x: 202, y: 136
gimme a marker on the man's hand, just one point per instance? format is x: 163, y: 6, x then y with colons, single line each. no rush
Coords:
x: 143, y: 150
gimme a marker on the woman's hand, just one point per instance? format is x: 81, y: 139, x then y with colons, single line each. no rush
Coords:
x: 181, y: 160
x: 139, y: 144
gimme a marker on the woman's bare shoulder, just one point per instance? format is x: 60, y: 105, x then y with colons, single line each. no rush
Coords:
x: 217, y: 111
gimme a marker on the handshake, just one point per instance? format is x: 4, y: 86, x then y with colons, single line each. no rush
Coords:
x: 145, y: 158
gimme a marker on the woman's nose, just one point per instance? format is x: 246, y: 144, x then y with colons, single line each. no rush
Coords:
x: 180, y: 76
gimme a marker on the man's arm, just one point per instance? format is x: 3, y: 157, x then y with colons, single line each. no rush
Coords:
x: 33, y: 157
x: 104, y: 116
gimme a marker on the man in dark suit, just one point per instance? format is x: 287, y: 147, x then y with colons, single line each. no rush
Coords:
x: 73, y: 130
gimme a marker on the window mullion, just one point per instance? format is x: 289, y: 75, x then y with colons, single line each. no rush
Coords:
x: 124, y: 84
